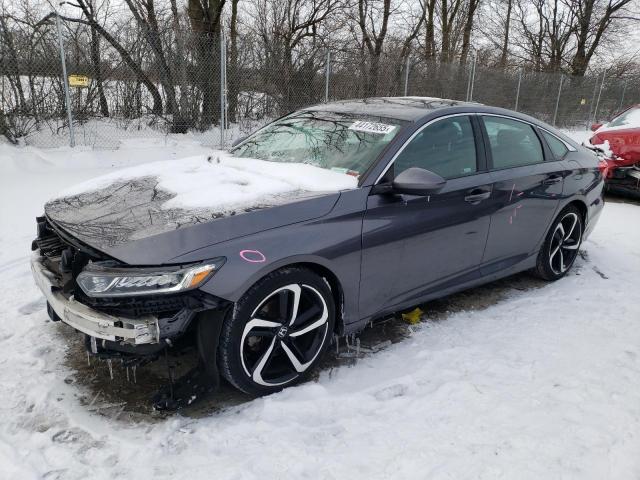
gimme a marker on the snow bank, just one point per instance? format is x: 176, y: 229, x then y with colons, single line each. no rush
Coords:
x: 223, y: 181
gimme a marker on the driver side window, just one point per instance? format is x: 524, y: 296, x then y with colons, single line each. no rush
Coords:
x: 446, y: 147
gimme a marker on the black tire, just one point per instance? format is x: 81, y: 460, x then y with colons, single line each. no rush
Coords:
x: 560, y: 249
x: 244, y: 346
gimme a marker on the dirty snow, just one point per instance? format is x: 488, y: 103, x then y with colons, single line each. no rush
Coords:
x: 225, y: 182
x: 542, y: 384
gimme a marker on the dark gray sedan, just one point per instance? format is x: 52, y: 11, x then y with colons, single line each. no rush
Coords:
x: 424, y: 197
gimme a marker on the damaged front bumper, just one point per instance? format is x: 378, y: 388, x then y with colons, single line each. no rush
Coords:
x: 134, y: 331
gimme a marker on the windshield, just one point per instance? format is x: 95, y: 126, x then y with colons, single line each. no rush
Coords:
x: 629, y: 118
x: 340, y: 142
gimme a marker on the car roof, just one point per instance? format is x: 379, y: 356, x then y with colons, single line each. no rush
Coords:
x: 401, y: 108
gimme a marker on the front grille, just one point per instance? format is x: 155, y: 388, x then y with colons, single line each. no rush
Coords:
x: 135, y: 306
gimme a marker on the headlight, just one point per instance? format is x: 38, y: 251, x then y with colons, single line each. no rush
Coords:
x: 98, y: 281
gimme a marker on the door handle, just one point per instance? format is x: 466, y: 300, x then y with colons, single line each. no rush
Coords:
x: 552, y: 180
x: 477, y: 195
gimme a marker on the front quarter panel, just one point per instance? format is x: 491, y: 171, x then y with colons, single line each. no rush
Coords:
x: 333, y: 242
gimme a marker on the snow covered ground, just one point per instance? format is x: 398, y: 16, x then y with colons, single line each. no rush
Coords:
x: 543, y: 383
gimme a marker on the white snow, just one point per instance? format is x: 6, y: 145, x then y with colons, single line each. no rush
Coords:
x: 542, y: 385
x: 225, y: 182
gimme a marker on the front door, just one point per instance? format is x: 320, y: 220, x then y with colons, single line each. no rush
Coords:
x: 413, y: 245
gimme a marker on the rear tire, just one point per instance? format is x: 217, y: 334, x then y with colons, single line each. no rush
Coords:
x: 560, y: 249
x: 278, y: 332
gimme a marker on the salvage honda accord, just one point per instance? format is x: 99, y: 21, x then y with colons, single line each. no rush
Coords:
x: 313, y: 226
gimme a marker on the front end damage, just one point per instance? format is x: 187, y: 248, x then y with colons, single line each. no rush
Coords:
x: 131, y: 329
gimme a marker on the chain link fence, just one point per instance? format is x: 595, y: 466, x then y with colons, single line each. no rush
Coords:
x: 68, y: 86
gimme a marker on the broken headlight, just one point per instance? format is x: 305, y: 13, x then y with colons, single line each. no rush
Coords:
x: 100, y: 281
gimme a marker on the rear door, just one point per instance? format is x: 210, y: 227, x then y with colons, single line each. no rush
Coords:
x: 527, y: 184
x: 413, y: 245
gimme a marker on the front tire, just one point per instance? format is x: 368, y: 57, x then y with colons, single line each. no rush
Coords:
x: 560, y: 249
x: 278, y: 332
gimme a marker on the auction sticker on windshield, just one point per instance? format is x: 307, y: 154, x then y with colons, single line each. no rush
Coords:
x: 372, y: 127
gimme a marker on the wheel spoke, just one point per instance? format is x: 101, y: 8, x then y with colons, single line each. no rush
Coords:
x: 256, y: 375
x: 300, y: 367
x: 307, y: 315
x: 570, y: 247
x: 562, y: 269
x: 575, y: 222
x: 297, y: 291
x: 317, y: 324
x: 554, y: 253
x: 253, y: 324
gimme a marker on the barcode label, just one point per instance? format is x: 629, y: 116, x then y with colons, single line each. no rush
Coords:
x: 372, y: 127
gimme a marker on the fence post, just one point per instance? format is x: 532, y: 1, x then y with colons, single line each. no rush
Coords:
x: 473, y: 77
x: 223, y: 88
x: 65, y: 82
x: 406, y: 77
x: 624, y: 89
x: 555, y: 111
x: 327, y: 74
x: 595, y: 112
x: 518, y: 89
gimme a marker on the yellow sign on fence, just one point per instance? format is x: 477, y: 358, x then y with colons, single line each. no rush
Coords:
x: 80, y: 81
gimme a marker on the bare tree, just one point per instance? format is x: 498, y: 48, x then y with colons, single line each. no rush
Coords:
x: 594, y: 19
x: 472, y: 8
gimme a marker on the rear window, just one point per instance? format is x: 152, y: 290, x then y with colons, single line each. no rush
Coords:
x: 557, y: 146
x: 513, y: 143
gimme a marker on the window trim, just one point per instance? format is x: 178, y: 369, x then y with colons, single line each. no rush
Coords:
x: 431, y: 122
x: 570, y: 148
x: 534, y: 127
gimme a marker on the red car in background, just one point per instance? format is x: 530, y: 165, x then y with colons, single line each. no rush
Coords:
x: 618, y: 144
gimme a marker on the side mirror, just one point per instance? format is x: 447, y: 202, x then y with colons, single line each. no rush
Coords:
x: 595, y: 126
x: 418, y: 181
x: 238, y: 141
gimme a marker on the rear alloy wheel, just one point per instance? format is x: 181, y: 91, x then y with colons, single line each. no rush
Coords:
x: 278, y: 333
x: 560, y: 249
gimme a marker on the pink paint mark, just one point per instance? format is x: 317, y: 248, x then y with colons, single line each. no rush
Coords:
x: 510, y: 220
x: 520, y: 194
x: 253, y: 256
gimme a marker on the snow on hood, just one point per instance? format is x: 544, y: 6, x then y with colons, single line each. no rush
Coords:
x: 223, y: 182
x: 156, y: 198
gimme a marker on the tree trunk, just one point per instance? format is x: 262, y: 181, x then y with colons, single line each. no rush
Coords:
x: 505, y: 42
x: 205, y: 16
x: 97, y: 72
x: 468, y: 27
x: 430, y: 40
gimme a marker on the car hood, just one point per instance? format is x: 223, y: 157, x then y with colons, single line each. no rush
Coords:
x: 621, y: 142
x: 153, y: 213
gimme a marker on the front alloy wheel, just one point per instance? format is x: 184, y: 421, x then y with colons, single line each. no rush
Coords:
x: 278, y: 332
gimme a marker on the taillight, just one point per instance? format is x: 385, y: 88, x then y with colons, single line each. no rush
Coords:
x: 603, y: 166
